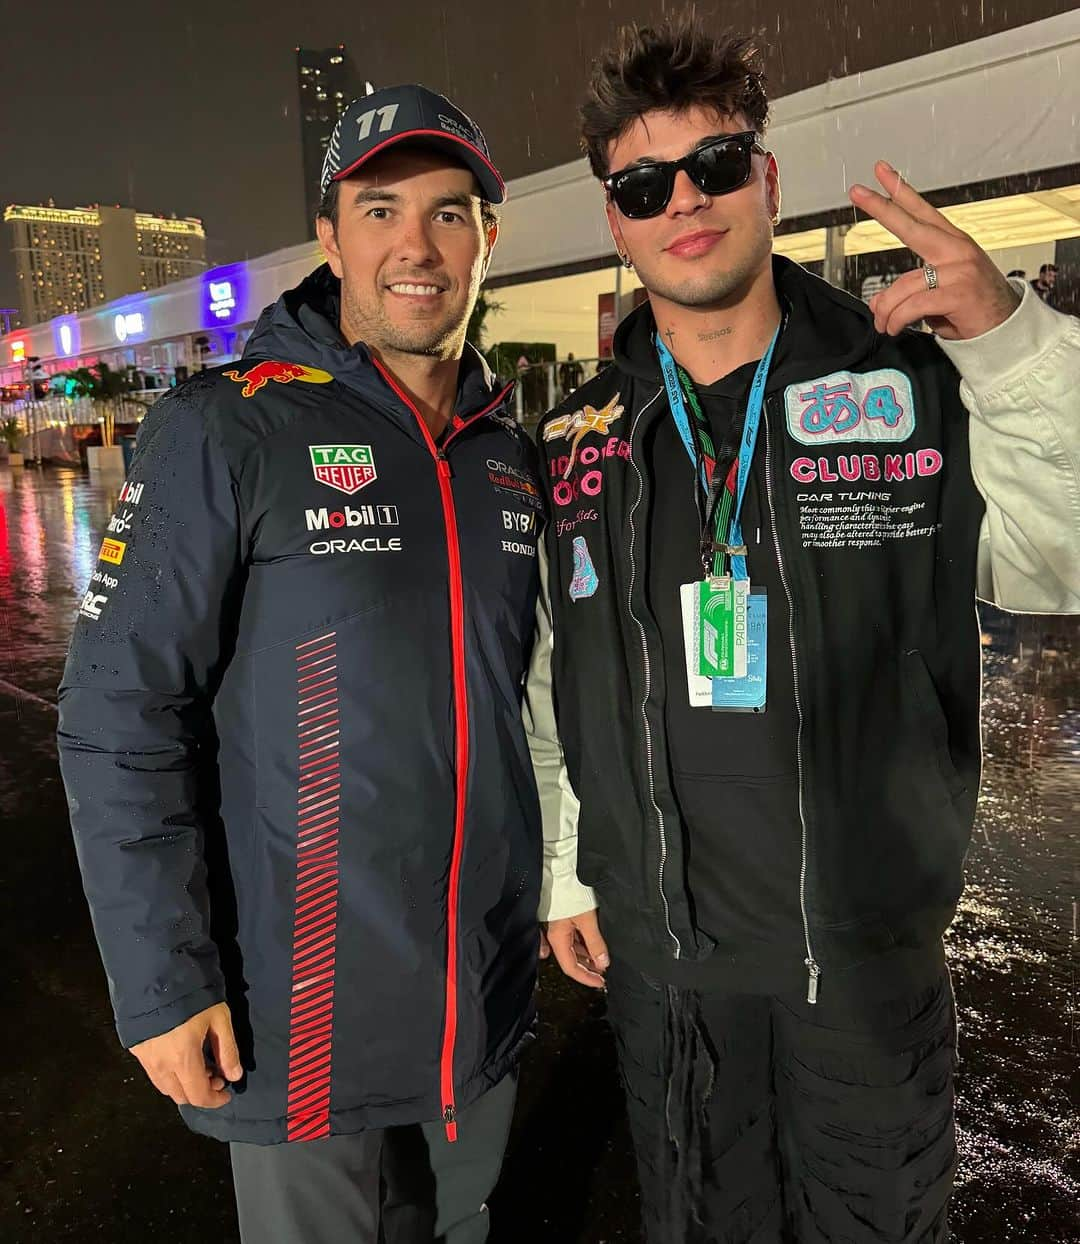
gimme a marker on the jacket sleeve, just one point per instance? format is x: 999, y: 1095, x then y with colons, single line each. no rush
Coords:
x: 561, y: 894
x: 1021, y: 385
x: 135, y: 724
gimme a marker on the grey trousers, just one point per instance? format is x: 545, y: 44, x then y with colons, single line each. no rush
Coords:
x: 401, y: 1185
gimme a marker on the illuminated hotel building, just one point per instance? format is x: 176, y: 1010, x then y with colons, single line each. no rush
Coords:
x: 74, y: 259
x: 327, y: 83
x: 170, y: 249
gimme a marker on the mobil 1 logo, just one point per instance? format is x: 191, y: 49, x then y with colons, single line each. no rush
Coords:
x: 362, y: 516
x: 325, y: 519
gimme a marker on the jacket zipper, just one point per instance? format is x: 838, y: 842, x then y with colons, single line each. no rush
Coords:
x: 647, y: 669
x: 461, y: 767
x: 461, y: 739
x: 812, y: 966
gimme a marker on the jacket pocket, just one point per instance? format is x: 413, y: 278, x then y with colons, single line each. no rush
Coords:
x: 932, y: 718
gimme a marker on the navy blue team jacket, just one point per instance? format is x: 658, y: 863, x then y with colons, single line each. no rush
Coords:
x: 291, y: 733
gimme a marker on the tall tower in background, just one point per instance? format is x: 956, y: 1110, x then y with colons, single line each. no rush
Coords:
x: 327, y: 83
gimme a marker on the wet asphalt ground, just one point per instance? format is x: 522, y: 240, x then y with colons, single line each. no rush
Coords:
x: 89, y: 1152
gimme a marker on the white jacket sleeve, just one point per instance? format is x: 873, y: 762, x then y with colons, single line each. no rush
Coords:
x: 1021, y: 385
x: 561, y: 894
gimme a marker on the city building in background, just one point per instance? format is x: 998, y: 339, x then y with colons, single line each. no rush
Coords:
x: 69, y: 260
x: 327, y: 82
x: 555, y: 285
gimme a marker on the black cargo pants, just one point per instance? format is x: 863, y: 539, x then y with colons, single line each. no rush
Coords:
x: 764, y: 1120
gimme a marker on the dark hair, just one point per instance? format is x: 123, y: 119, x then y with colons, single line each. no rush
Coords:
x: 673, y: 67
x: 328, y: 207
x: 328, y: 204
x: 1047, y: 267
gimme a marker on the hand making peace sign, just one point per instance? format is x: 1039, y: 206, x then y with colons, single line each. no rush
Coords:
x: 970, y: 296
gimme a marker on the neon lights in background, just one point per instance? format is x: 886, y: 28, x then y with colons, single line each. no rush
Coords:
x: 223, y: 295
x: 66, y: 336
x: 222, y: 299
x: 129, y: 324
x: 18, y: 351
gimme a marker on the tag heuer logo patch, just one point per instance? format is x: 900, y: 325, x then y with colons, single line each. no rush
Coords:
x: 348, y: 468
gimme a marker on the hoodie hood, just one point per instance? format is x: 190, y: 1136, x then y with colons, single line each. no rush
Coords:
x: 827, y: 330
x: 302, y: 327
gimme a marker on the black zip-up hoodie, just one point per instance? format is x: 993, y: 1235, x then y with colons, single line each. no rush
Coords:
x: 876, y: 521
x: 291, y: 735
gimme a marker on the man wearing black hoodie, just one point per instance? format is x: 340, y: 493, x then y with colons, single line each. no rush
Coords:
x: 291, y: 720
x: 770, y: 518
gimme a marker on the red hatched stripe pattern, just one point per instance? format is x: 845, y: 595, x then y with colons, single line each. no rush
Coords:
x: 315, y: 921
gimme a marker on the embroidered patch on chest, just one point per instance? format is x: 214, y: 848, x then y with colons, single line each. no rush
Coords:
x: 585, y: 580
x: 851, y: 406
x: 579, y: 424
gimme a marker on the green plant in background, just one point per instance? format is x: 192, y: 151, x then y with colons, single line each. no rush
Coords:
x: 106, y: 388
x: 485, y: 306
x: 11, y: 433
x: 98, y: 382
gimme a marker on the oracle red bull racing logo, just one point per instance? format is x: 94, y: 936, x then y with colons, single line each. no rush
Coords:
x: 259, y: 376
x: 348, y: 468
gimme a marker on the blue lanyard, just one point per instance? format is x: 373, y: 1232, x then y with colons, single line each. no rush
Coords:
x: 754, y: 405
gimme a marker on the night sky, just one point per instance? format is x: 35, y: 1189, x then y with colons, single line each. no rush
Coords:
x: 192, y: 107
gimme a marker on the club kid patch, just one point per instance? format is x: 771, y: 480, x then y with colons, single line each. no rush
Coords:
x: 851, y: 406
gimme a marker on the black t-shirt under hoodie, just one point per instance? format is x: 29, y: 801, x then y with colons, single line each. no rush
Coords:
x: 734, y: 775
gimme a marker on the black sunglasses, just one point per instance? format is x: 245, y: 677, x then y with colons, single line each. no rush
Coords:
x: 718, y: 167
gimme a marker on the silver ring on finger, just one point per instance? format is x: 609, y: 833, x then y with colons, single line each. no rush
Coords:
x: 930, y: 273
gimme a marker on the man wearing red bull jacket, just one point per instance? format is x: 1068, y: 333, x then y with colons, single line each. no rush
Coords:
x: 291, y: 719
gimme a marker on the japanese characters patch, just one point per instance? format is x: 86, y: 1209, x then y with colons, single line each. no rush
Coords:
x: 851, y: 406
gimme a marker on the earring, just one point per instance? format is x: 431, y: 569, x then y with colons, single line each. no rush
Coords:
x: 627, y: 262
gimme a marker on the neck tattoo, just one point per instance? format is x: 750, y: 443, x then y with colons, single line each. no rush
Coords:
x: 670, y: 335
x: 714, y: 333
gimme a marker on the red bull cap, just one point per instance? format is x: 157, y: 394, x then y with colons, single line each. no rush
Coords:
x: 395, y: 113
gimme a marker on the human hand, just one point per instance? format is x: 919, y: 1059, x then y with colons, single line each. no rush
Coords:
x: 971, y: 296
x: 177, y: 1064
x: 579, y: 948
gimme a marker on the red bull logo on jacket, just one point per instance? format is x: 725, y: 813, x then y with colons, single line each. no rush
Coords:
x: 259, y: 376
